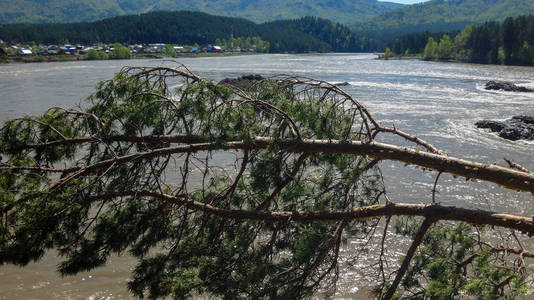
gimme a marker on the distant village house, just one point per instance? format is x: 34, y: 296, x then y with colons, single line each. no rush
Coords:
x: 24, y: 51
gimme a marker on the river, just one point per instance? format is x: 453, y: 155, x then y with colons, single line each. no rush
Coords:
x: 439, y: 102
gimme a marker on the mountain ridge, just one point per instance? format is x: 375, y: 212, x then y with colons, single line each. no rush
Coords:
x: 185, y: 27
x: 259, y: 11
x: 438, y: 15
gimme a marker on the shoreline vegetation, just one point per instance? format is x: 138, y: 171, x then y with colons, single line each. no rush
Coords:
x: 307, y: 34
x: 507, y: 43
x: 392, y: 56
x: 381, y: 56
x: 34, y: 52
x: 71, y: 58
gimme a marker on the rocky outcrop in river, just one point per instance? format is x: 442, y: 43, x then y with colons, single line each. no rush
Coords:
x: 516, y: 128
x: 243, y: 82
x: 246, y: 81
x: 506, y: 86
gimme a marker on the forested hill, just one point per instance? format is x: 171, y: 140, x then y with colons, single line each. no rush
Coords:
x: 299, y: 35
x: 67, y: 11
x: 444, y: 15
x: 509, y: 43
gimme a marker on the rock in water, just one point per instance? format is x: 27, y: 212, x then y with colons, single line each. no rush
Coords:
x: 506, y: 86
x: 524, y: 119
x: 494, y: 126
x: 244, y: 82
x: 516, y: 128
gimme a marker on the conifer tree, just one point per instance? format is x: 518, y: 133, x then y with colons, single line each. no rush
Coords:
x: 241, y: 193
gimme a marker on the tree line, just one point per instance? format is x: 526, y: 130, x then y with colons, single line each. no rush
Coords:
x: 299, y: 35
x: 510, y: 42
x: 332, y: 36
x: 255, y: 42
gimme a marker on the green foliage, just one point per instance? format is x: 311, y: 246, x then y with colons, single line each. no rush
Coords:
x: 96, y: 55
x: 387, y: 54
x: 517, y: 38
x: 461, y: 49
x: 299, y: 35
x: 451, y: 263
x: 431, y: 49
x: 62, y: 11
x: 491, y: 43
x: 445, y: 47
x: 120, y: 52
x: 447, y: 15
x: 526, y: 54
x: 484, y: 43
x: 89, y: 213
x: 170, y: 51
x: 319, y: 35
x: 246, y: 43
x: 413, y: 43
x: 193, y: 179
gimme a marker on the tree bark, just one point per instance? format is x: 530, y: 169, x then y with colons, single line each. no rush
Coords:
x: 427, y: 223
x: 506, y: 177
x: 429, y: 211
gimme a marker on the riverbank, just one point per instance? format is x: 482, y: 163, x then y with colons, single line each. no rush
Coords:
x: 420, y: 57
x: 449, y: 60
x: 413, y: 57
x: 64, y: 57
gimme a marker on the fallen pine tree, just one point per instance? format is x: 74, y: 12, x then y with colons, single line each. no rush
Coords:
x: 240, y: 192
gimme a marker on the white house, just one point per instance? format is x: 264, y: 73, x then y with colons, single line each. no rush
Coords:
x: 24, y: 51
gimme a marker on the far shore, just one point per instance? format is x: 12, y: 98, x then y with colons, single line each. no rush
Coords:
x: 66, y: 58
x: 450, y: 60
x: 381, y: 56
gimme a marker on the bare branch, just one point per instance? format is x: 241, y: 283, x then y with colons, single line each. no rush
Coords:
x: 408, y: 257
x: 517, y: 166
x: 493, y: 173
x: 433, y: 212
x: 411, y: 138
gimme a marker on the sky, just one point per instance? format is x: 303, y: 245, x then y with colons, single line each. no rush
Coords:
x: 405, y: 1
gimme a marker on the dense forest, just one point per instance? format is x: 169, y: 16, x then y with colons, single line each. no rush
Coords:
x: 164, y: 27
x: 374, y: 23
x: 313, y: 34
x: 299, y: 35
x: 447, y: 15
x: 510, y: 42
x: 63, y: 11
x: 439, y: 16
x: 414, y: 43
